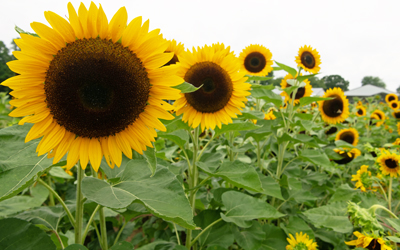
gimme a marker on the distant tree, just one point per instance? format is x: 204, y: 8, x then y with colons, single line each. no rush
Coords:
x: 332, y: 81
x: 373, y: 80
x: 316, y: 82
x: 5, y: 72
x: 398, y: 90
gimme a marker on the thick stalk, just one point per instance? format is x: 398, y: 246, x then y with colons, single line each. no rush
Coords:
x: 282, y: 149
x: 259, y: 156
x: 193, y: 178
x: 103, y: 229
x: 90, y: 222
x: 390, y: 193
x: 71, y: 218
x: 231, y: 154
x: 51, y: 196
x: 79, y: 206
x: 204, y: 230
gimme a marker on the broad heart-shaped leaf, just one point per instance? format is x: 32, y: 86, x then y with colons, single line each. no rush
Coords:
x: 123, y: 245
x: 275, y: 238
x: 75, y: 247
x: 316, y: 157
x: 295, y: 225
x: 310, y: 99
x: 250, y: 238
x: 219, y: 234
x: 20, y: 234
x: 162, y: 194
x: 150, y: 156
x: 343, y: 193
x: 186, y: 87
x: 330, y: 216
x: 180, y: 137
x: 237, y: 126
x: 261, y: 133
x: 286, y: 68
x: 270, y: 186
x: 19, y: 163
x: 240, y: 174
x: 266, y: 94
x: 48, y: 216
x: 60, y: 173
x: 302, y: 78
x: 253, y: 114
x: 242, y: 208
x: 395, y: 223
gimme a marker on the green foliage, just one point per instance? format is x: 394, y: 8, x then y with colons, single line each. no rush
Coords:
x: 333, y: 81
x: 373, y: 80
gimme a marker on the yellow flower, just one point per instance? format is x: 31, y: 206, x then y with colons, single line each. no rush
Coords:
x: 335, y: 110
x: 223, y: 90
x: 302, y: 241
x: 389, y: 163
x: 361, y: 111
x: 394, y: 105
x: 92, y: 88
x: 391, y: 97
x: 396, y: 114
x: 256, y: 60
x: 369, y: 242
x: 308, y: 59
x: 301, y: 92
x: 270, y: 115
x: 397, y: 142
x: 349, y: 135
x: 347, y: 154
x: 175, y: 48
x: 378, y: 115
x: 362, y: 178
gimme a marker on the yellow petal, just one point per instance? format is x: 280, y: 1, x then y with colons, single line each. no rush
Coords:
x: 28, y: 66
x: 95, y: 154
x: 114, y: 150
x: 92, y: 20
x: 102, y: 23
x: 84, y: 152
x: 52, y: 139
x: 106, y: 152
x: 28, y: 109
x: 117, y: 24
x: 73, y: 154
x: 123, y: 145
x: 38, y: 128
x: 61, y: 25
x: 74, y: 20
x: 82, y: 14
x: 48, y: 34
x: 64, y: 146
x: 130, y: 34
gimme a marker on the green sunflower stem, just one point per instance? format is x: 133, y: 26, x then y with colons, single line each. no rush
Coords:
x: 51, y: 196
x: 231, y: 153
x: 259, y: 156
x: 103, y: 229
x: 390, y: 193
x: 79, y: 206
x: 193, y: 179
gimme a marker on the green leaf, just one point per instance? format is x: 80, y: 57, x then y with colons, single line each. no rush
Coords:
x: 23, y: 202
x: 295, y: 225
x: 316, y: 157
x: 242, y: 208
x: 305, y: 77
x: 60, y: 173
x: 162, y: 194
x: 186, y: 87
x: 267, y: 95
x: 177, y: 123
x: 395, y: 223
x: 394, y: 239
x: 250, y: 238
x: 123, y: 245
x: 258, y: 78
x: 330, y: 216
x: 261, y: 133
x: 21, y: 31
x: 19, y: 163
x: 343, y: 193
x: 48, y: 216
x: 310, y: 99
x: 150, y: 156
x: 237, y: 126
x: 270, y: 186
x: 240, y: 174
x: 180, y: 137
x: 343, y: 144
x: 288, y: 69
x: 275, y: 238
x: 19, y: 234
x: 75, y: 247
x: 258, y: 115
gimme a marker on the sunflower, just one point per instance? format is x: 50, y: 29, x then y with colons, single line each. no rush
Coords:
x: 302, y: 241
x: 175, y: 48
x: 348, y: 155
x: 377, y: 115
x: 389, y: 163
x: 92, y: 88
x: 301, y: 92
x: 221, y: 47
x: 359, y: 103
x: 308, y: 59
x: 361, y: 111
x: 397, y: 142
x: 256, y: 60
x: 394, y: 105
x: 368, y: 242
x: 270, y: 115
x: 391, y: 97
x: 335, y: 110
x: 349, y: 135
x: 396, y: 114
x: 223, y: 90
x: 331, y: 130
x: 363, y: 179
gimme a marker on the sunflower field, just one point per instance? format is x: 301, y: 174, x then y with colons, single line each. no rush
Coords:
x: 116, y: 138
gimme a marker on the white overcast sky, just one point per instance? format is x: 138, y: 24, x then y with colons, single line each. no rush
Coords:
x: 355, y: 38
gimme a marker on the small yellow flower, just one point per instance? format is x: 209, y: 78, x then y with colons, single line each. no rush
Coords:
x: 389, y: 163
x: 301, y: 241
x: 369, y: 242
x: 363, y: 179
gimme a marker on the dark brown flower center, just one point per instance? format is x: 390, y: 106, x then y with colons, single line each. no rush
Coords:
x: 360, y: 112
x: 379, y: 115
x: 308, y: 60
x: 394, y: 105
x: 390, y: 163
x: 255, y: 62
x: 216, y: 90
x: 397, y: 114
x: 374, y: 245
x: 96, y: 88
x: 331, y: 130
x: 347, y: 137
x: 346, y: 158
x: 174, y: 59
x: 391, y: 98
x: 334, y: 107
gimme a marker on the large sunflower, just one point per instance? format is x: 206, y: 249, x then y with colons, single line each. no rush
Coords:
x: 361, y: 111
x: 377, y: 115
x: 335, y: 110
x: 389, y: 163
x: 301, y: 92
x: 302, y: 241
x: 368, y: 242
x: 92, y: 88
x: 396, y: 114
x: 394, y: 105
x: 256, y: 60
x: 309, y: 59
x: 391, y: 97
x: 175, y: 48
x: 349, y: 135
x: 223, y: 90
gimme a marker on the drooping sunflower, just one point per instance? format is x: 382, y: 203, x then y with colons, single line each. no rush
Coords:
x: 301, y: 92
x: 256, y: 60
x: 335, y: 110
x: 361, y: 111
x: 309, y: 59
x: 92, y: 88
x: 379, y: 116
x: 302, y: 241
x: 389, y: 163
x: 363, y: 179
x: 349, y: 135
x: 394, y: 105
x: 223, y: 90
x: 370, y: 242
x: 347, y: 154
x: 391, y: 97
x: 331, y: 130
x: 175, y: 48
x: 396, y: 114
